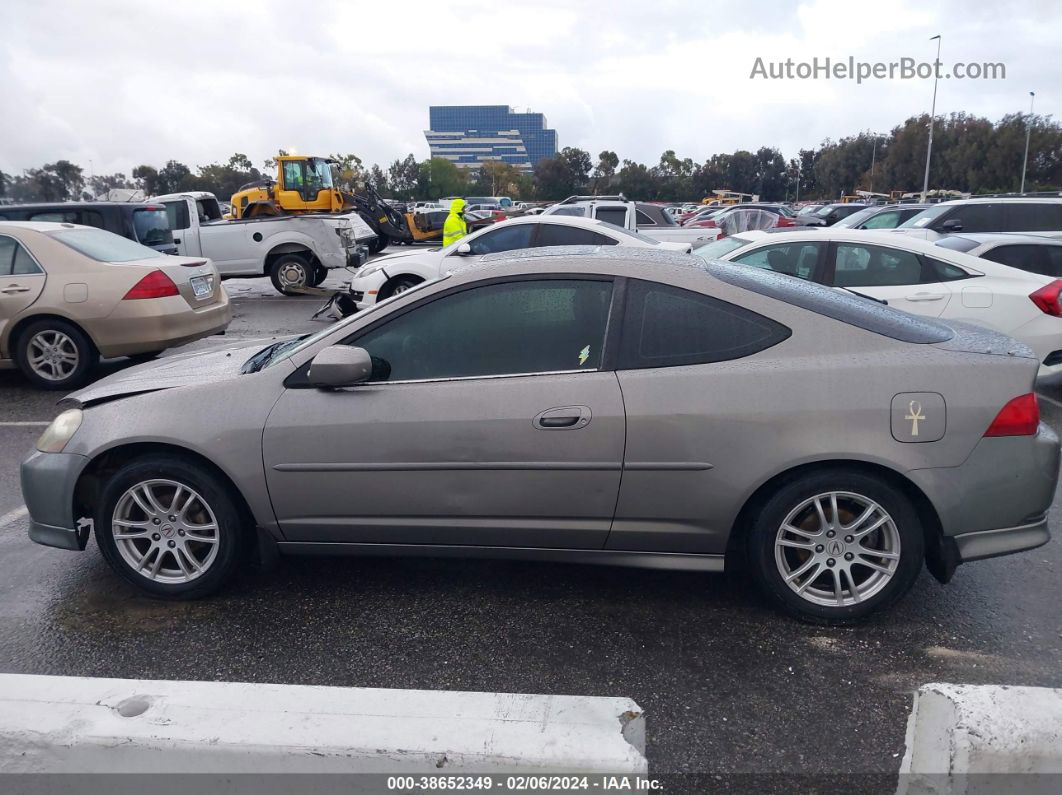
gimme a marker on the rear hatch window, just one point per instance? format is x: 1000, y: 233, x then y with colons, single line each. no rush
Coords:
x: 864, y: 313
x: 152, y: 226
x: 104, y: 246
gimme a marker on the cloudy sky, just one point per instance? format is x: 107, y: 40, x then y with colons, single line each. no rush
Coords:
x: 122, y: 83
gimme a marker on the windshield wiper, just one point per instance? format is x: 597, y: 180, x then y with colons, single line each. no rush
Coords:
x: 864, y: 295
x: 268, y: 353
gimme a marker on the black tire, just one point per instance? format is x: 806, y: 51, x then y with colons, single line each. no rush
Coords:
x: 320, y: 273
x: 903, y: 528
x: 403, y: 283
x: 291, y: 270
x: 379, y: 243
x: 71, y: 340
x: 229, y: 534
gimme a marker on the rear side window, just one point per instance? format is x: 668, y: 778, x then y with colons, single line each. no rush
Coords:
x: 1046, y: 217
x: 576, y: 211
x: 1025, y: 257
x: 877, y: 266
x: 557, y: 235
x: 152, y: 226
x: 839, y: 305
x: 945, y: 271
x: 642, y: 219
x: 15, y: 260
x: 84, y: 217
x: 668, y: 327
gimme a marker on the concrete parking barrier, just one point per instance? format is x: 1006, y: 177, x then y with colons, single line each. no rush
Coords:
x: 974, y: 738
x: 59, y: 724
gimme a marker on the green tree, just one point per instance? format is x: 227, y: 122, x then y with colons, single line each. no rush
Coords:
x: 578, y: 164
x: 402, y: 176
x: 439, y: 177
x: 636, y: 182
x: 604, y: 171
x: 349, y: 171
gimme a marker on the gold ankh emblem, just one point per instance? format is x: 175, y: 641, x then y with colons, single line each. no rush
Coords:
x: 915, y: 409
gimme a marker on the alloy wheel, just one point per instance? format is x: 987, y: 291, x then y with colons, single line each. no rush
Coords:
x: 165, y: 531
x: 52, y: 355
x: 837, y: 549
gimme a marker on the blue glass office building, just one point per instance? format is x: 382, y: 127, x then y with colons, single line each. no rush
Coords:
x: 470, y: 135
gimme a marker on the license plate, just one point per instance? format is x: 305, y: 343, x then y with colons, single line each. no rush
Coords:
x: 202, y: 286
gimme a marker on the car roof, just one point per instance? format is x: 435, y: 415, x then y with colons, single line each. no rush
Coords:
x: 983, y: 238
x: 564, y: 220
x: 1005, y: 199
x: 41, y: 226
x: 59, y: 206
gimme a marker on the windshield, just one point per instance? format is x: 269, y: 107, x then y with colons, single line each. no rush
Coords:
x: 857, y: 218
x: 924, y: 217
x: 822, y: 212
x: 319, y: 173
x: 636, y: 235
x: 285, y: 349
x: 717, y: 248
x: 152, y: 226
x: 104, y: 246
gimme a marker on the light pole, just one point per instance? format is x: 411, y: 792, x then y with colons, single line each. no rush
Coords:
x: 1028, y: 131
x: 874, y: 157
x: 932, y: 118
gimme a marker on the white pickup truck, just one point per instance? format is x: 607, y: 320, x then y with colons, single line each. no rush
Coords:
x: 292, y: 250
x: 648, y: 219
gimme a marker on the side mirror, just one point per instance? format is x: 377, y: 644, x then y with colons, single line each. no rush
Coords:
x: 340, y: 365
x: 951, y: 225
x: 464, y: 250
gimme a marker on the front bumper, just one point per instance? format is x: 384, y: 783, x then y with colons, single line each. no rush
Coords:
x: 48, y: 482
x: 364, y: 290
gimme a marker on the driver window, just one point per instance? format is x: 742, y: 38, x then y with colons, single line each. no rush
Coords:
x: 504, y: 238
x: 522, y: 327
x: 293, y: 175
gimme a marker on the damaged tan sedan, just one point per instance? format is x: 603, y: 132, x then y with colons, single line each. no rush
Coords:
x: 71, y: 294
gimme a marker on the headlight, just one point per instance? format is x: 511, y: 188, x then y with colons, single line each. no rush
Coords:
x: 61, y: 431
x: 369, y: 270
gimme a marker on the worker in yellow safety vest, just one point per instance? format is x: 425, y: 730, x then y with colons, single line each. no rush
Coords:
x: 455, y: 227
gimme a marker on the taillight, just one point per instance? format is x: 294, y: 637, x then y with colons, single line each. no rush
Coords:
x: 155, y: 285
x: 1047, y: 298
x: 784, y: 220
x: 1020, y: 417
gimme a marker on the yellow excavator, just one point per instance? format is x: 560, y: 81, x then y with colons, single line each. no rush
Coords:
x: 303, y: 185
x: 307, y: 185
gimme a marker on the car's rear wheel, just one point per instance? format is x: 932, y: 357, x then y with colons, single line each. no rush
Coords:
x: 55, y: 354
x: 166, y: 525
x: 290, y: 272
x: 832, y: 547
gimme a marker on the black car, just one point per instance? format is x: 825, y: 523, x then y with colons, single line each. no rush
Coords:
x: 829, y: 214
x: 1041, y: 216
x: 143, y: 222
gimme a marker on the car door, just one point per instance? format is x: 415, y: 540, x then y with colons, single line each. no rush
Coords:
x: 803, y: 259
x: 21, y: 281
x: 680, y: 363
x: 487, y: 421
x: 901, y: 278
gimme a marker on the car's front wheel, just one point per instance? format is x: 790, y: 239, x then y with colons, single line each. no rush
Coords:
x: 166, y: 525
x: 832, y: 547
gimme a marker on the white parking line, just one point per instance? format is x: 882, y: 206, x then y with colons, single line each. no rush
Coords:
x: 26, y: 424
x: 13, y: 516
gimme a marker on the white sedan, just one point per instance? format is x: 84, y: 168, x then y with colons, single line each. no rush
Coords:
x: 396, y: 273
x: 913, y: 275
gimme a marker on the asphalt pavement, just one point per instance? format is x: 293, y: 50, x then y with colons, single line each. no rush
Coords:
x: 730, y: 688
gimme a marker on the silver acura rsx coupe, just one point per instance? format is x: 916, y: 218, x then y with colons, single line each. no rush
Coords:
x: 591, y: 405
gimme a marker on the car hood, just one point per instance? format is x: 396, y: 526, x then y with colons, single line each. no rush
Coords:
x: 386, y: 258
x: 185, y: 369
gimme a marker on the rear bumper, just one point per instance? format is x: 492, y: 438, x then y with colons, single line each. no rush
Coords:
x: 158, y: 323
x: 1004, y: 541
x: 48, y: 482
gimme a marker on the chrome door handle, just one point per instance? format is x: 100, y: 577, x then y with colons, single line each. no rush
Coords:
x: 15, y: 289
x: 925, y: 297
